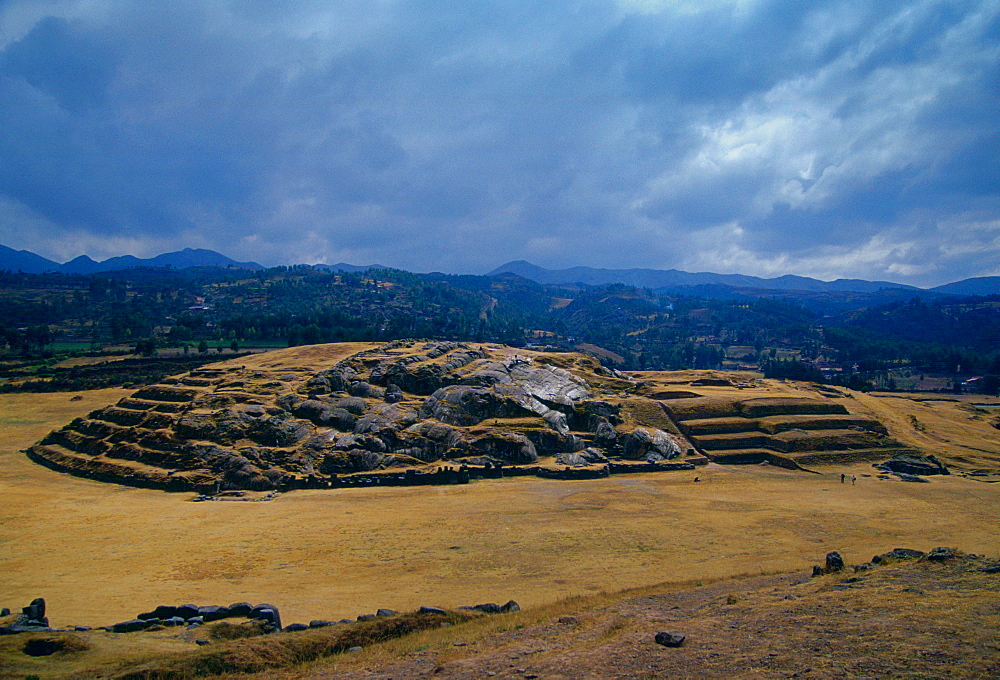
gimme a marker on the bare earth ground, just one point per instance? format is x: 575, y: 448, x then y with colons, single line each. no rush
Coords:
x: 907, y: 620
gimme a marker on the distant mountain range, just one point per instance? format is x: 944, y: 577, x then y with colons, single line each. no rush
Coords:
x: 701, y: 283
x: 30, y: 263
x: 660, y: 279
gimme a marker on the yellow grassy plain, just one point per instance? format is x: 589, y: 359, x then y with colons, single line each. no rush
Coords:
x: 100, y: 552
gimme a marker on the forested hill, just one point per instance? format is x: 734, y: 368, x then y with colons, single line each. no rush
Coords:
x: 635, y: 328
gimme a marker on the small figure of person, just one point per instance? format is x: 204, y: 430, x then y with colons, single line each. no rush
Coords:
x: 853, y: 480
x: 842, y: 477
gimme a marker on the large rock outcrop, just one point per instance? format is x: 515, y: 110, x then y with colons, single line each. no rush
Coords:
x: 403, y: 405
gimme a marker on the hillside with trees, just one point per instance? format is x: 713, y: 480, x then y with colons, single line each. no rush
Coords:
x: 188, y: 313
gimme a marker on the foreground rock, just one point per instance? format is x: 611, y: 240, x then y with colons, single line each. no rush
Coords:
x: 669, y: 639
x: 32, y: 619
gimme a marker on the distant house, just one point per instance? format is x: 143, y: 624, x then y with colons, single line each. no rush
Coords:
x: 973, y: 384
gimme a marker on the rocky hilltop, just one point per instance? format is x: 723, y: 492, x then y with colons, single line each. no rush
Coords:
x: 403, y: 408
x: 413, y: 412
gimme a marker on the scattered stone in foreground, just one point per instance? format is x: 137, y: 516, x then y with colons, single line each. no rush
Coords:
x: 669, y: 638
x: 940, y: 554
x: 192, y: 616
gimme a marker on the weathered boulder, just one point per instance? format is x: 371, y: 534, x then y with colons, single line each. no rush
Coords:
x: 487, y: 375
x: 665, y: 444
x: 353, y: 405
x: 669, y: 638
x: 511, y: 606
x: 267, y: 613
x: 594, y: 455
x: 398, y: 415
x: 161, y: 612
x: 572, y: 459
x: 421, y: 379
x: 340, y: 418
x: 462, y: 358
x: 465, y: 405
x: 393, y: 393
x: 371, y: 422
x: 186, y: 611
x: 288, y: 402
x: 636, y: 444
x: 360, y: 388
x: 361, y: 441
x: 605, y: 434
x: 365, y: 461
x: 914, y: 464
x: 354, y: 460
x: 557, y: 421
x: 898, y: 554
x: 213, y: 613
x: 314, y: 410
x: 551, y: 385
x: 133, y: 625
x: 510, y: 447
x: 941, y: 554
x: 23, y: 625
x: 594, y: 412
x: 336, y: 379
x: 36, y: 610
x: 834, y: 562
x: 240, y: 609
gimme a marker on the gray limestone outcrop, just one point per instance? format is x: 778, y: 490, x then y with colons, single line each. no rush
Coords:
x: 403, y: 406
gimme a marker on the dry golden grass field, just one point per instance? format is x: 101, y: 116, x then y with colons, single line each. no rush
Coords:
x: 100, y: 553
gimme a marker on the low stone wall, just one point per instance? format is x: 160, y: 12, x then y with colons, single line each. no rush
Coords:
x: 32, y: 618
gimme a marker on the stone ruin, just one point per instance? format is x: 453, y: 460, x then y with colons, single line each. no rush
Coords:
x: 32, y: 618
x: 402, y: 408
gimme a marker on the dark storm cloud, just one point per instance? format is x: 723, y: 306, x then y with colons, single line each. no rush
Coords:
x: 831, y: 138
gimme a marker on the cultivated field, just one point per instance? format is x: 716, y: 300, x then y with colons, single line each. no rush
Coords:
x: 100, y: 553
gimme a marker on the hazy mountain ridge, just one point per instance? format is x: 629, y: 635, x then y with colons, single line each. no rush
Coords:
x: 674, y: 278
x: 29, y: 263
x: 705, y: 283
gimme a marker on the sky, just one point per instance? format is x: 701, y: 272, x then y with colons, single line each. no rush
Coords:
x: 829, y: 138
